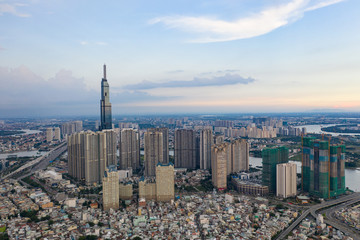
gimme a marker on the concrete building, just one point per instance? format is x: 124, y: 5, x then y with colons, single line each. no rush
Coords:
x: 286, y: 180
x: 69, y: 128
x: 125, y: 191
x: 206, y: 141
x: 129, y: 149
x: 153, y: 151
x: 165, y: 138
x: 88, y: 154
x: 105, y: 105
x: 239, y: 156
x: 165, y: 182
x: 49, y: 134
x: 220, y: 154
x: 111, y: 189
x: 111, y: 158
x: 185, y: 149
x: 57, y: 135
x: 147, y: 189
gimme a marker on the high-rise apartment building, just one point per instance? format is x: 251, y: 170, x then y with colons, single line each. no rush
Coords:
x: 220, y: 154
x: 165, y: 135
x: 111, y: 158
x: 164, y: 182
x: 111, y: 189
x: 154, y: 151
x: 239, y: 156
x: 129, y: 149
x: 286, y: 180
x: 325, y: 178
x: 89, y: 153
x: 69, y: 128
x: 206, y: 141
x: 271, y: 157
x: 49, y: 134
x: 185, y: 149
x: 57, y: 135
x: 105, y: 105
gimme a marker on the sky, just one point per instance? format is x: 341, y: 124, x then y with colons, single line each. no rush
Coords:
x: 204, y: 56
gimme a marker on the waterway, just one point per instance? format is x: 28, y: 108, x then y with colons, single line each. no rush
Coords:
x: 352, y: 176
x: 23, y: 154
x: 317, y: 129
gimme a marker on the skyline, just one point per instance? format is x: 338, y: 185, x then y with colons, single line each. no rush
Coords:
x: 179, y: 57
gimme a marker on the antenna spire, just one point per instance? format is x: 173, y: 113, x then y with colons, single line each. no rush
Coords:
x: 104, y: 71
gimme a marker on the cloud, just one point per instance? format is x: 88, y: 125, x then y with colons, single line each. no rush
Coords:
x: 12, y: 8
x: 267, y: 20
x: 228, y: 79
x: 175, y: 71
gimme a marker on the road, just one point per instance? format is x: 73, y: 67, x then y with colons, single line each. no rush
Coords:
x: 315, y: 208
x: 39, y: 163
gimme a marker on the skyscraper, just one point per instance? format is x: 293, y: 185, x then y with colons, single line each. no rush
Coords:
x: 239, y: 156
x: 105, y: 105
x: 206, y: 141
x: 153, y: 151
x: 88, y: 155
x: 219, y: 160
x: 164, y: 182
x: 111, y: 189
x: 49, y: 134
x: 165, y: 135
x: 271, y: 157
x: 129, y: 148
x: 286, y: 180
x: 185, y: 149
x: 325, y: 176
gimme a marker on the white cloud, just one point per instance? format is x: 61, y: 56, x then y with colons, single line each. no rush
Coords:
x: 12, y: 9
x: 216, y: 30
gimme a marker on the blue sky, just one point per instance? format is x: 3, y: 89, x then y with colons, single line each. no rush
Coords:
x: 179, y: 56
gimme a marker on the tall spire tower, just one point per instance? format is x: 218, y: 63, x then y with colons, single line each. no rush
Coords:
x: 105, y: 105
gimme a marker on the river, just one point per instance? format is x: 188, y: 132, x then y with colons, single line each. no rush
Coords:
x: 317, y: 129
x: 352, y: 176
x: 23, y: 154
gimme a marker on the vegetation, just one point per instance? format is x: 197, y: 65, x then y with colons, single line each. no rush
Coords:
x: 88, y: 237
x: 31, y: 214
x: 4, y: 236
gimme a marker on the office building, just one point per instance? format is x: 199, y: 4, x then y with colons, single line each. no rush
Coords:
x: 286, y: 180
x: 164, y: 182
x: 271, y: 157
x: 129, y: 149
x: 206, y: 141
x: 105, y: 105
x: 220, y: 154
x: 185, y: 149
x: 239, y: 156
x: 111, y: 189
x: 89, y: 153
x: 49, y: 135
x: 325, y: 176
x: 165, y: 135
x: 153, y: 148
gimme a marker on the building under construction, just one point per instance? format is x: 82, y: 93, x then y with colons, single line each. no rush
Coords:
x: 323, y: 171
x: 271, y: 157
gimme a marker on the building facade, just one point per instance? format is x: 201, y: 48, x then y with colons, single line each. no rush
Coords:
x: 165, y: 182
x: 105, y: 105
x: 185, y: 149
x: 111, y: 189
x: 239, y: 156
x: 219, y: 161
x: 153, y: 146
x: 286, y: 180
x: 129, y: 149
x: 206, y: 141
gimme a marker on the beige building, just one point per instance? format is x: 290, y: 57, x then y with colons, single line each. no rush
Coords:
x: 129, y: 149
x: 111, y: 189
x: 165, y: 182
x: 153, y: 151
x: 206, y: 141
x: 71, y: 127
x: 165, y: 138
x: 147, y: 189
x: 286, y: 180
x: 220, y: 154
x: 239, y: 156
x: 49, y: 134
x: 57, y: 135
x: 89, y: 153
x: 125, y: 191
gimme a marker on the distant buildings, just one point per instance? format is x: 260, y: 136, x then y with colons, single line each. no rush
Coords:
x: 286, y: 180
x: 206, y: 141
x: 105, y: 105
x: 111, y: 189
x: 271, y: 157
x: 53, y: 134
x: 323, y: 168
x: 49, y: 134
x: 89, y: 153
x: 153, y: 151
x: 185, y: 149
x: 129, y: 149
x: 69, y: 128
